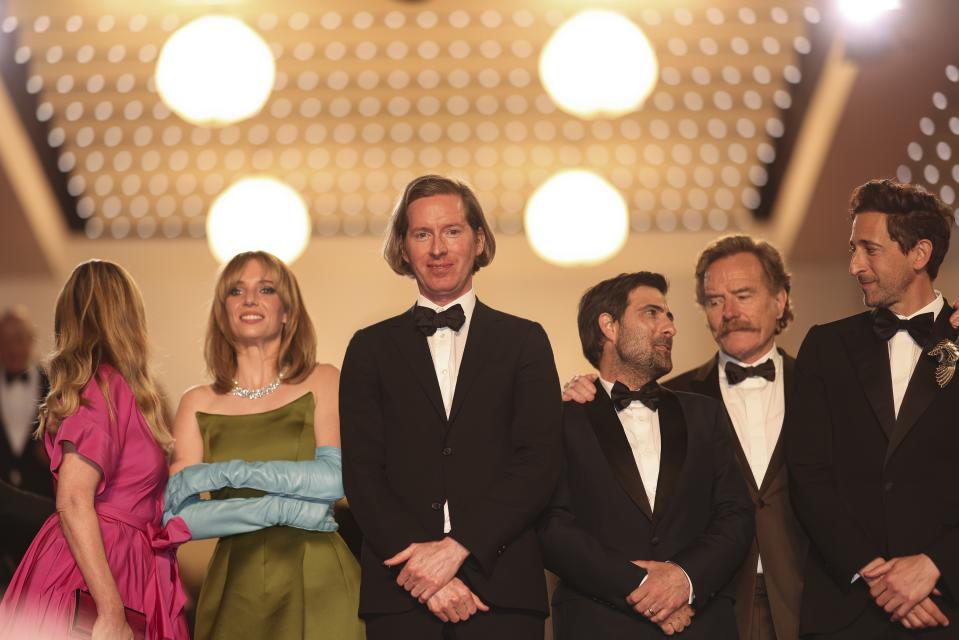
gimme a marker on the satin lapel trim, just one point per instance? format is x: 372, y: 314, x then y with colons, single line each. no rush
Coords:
x: 778, y: 458
x: 711, y: 389
x: 612, y: 440
x: 673, y: 438
x: 871, y: 358
x: 416, y: 352
x: 475, y: 355
x: 922, y: 388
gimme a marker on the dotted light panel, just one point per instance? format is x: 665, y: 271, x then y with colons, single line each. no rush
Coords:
x: 365, y: 100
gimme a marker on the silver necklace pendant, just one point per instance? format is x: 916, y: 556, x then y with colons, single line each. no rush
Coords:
x: 255, y: 394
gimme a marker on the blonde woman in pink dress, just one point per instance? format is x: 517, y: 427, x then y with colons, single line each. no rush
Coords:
x: 103, y: 428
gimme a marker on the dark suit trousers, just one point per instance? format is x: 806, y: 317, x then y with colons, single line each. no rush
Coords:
x: 761, y: 627
x: 420, y: 624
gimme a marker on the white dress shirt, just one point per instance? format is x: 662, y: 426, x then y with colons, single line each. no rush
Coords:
x: 446, y: 349
x: 756, y: 408
x: 904, y: 353
x: 18, y: 408
x: 641, y: 425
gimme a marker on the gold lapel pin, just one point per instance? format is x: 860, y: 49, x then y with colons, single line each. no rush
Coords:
x: 948, y: 354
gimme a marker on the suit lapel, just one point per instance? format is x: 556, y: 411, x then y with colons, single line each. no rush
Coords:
x: 612, y: 440
x: 710, y: 387
x: 416, y: 352
x: 778, y: 458
x: 673, y: 438
x: 922, y: 388
x: 475, y: 355
x: 871, y: 358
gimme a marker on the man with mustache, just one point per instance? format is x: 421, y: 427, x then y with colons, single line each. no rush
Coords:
x: 872, y: 444
x: 651, y: 516
x: 743, y: 288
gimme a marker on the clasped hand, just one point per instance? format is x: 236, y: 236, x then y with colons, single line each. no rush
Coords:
x: 664, y: 592
x: 902, y: 586
x: 429, y: 575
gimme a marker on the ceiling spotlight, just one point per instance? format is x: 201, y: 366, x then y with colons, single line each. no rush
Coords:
x: 598, y: 64
x: 862, y: 12
x: 576, y: 218
x: 215, y: 70
x: 258, y: 213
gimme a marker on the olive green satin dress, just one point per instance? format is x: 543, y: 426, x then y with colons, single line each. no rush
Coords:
x: 279, y: 583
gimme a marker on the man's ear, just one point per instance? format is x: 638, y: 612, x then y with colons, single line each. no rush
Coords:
x: 921, y: 254
x: 609, y: 326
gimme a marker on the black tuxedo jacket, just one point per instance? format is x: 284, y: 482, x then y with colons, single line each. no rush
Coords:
x: 495, y: 460
x: 779, y: 536
x: 30, y: 470
x: 599, y: 519
x: 864, y: 482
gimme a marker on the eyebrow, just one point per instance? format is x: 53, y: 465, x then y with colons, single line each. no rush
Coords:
x: 656, y: 307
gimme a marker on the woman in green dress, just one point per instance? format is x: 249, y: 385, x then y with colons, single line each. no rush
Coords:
x: 264, y: 439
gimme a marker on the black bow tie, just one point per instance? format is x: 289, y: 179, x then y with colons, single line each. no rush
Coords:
x: 886, y: 324
x: 649, y: 394
x: 736, y: 373
x: 428, y: 321
x: 23, y: 376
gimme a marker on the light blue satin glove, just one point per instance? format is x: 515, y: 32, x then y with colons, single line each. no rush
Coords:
x: 317, y: 479
x: 218, y: 518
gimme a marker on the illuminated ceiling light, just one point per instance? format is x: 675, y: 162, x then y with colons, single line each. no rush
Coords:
x: 576, y: 218
x: 865, y: 11
x: 598, y: 64
x: 214, y: 71
x: 258, y: 213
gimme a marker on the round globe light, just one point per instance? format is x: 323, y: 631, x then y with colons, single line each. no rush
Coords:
x: 258, y: 213
x: 215, y: 70
x: 576, y: 218
x: 598, y: 64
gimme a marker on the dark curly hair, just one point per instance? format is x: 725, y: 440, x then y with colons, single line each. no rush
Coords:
x: 912, y: 214
x: 610, y: 296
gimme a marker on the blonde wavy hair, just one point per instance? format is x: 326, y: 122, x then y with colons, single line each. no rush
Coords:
x: 100, y: 319
x: 297, y: 342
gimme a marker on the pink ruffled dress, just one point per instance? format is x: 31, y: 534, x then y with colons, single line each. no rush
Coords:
x: 39, y: 602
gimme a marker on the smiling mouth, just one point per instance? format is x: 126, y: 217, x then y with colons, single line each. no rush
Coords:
x: 251, y: 317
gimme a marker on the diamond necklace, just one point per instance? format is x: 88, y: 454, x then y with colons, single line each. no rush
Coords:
x: 255, y: 394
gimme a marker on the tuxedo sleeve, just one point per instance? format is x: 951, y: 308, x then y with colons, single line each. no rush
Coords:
x: 515, y: 500
x: 712, y: 559
x: 808, y: 438
x: 385, y: 524
x: 580, y: 559
x: 945, y: 554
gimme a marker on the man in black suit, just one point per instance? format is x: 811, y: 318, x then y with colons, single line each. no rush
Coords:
x: 651, y: 513
x: 24, y: 466
x: 743, y: 287
x: 23, y: 386
x: 872, y: 444
x: 450, y: 419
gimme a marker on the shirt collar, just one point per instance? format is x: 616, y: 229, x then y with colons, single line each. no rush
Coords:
x: 467, y: 301
x: 935, y: 307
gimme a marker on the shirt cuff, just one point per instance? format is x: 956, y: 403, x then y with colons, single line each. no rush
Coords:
x: 854, y: 578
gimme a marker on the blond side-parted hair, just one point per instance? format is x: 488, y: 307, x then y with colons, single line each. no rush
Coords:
x: 297, y: 342
x: 100, y: 319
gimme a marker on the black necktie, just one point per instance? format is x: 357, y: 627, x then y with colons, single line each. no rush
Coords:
x: 886, y: 324
x: 649, y: 394
x: 428, y: 321
x: 736, y: 373
x: 23, y: 376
